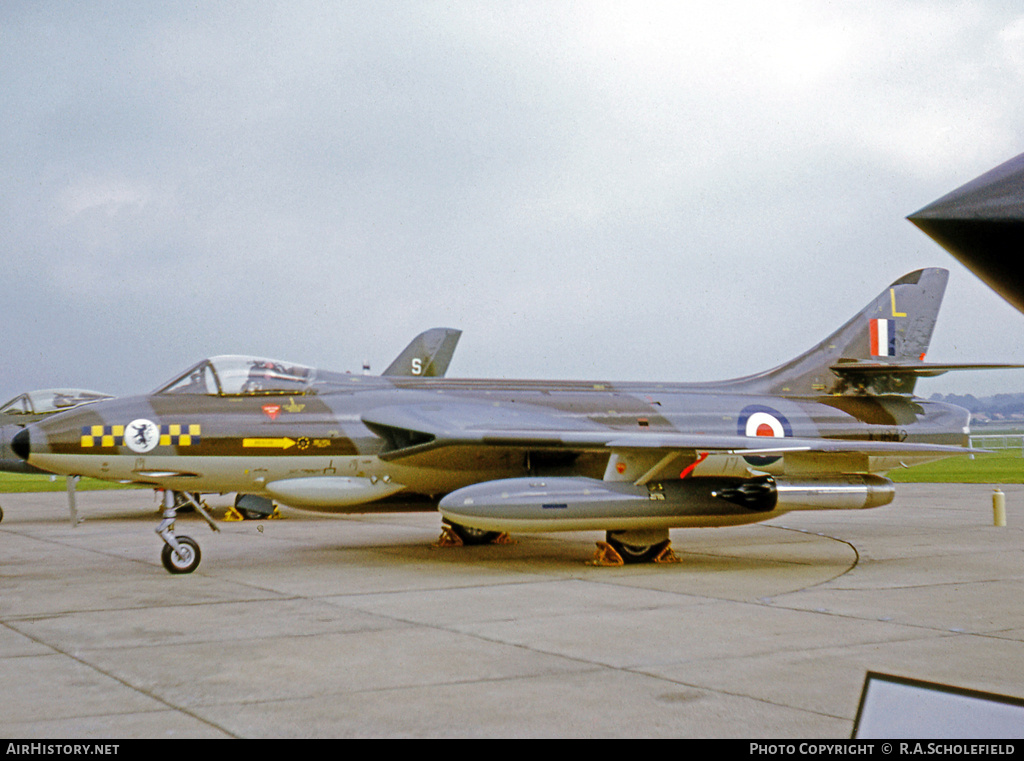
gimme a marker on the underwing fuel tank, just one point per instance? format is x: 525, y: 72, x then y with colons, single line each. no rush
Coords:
x: 578, y: 504
x: 330, y: 492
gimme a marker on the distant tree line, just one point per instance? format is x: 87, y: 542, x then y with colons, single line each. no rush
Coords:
x: 998, y: 406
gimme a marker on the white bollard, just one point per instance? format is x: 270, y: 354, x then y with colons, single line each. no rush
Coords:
x: 998, y: 508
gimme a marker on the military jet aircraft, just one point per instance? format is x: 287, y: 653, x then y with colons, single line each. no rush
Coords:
x: 32, y: 406
x: 632, y: 459
x: 28, y: 408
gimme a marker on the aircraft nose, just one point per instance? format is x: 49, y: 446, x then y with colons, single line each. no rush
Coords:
x: 12, y: 461
x: 20, y: 444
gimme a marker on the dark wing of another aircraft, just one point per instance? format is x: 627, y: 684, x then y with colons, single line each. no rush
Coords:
x: 982, y: 224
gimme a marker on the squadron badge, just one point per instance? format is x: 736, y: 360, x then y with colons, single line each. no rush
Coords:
x: 141, y: 435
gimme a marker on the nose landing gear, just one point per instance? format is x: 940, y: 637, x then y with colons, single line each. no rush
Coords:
x: 180, y: 553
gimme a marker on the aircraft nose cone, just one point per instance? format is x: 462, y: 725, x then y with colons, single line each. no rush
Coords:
x: 982, y: 224
x: 20, y: 444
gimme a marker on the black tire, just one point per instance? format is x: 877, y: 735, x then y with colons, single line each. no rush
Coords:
x: 1, y: 514
x: 175, y: 564
x: 635, y: 553
x: 253, y: 508
x: 474, y: 536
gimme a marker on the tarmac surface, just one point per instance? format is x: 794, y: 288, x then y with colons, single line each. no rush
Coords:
x: 357, y: 626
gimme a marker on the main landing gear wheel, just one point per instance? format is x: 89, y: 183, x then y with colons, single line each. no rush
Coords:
x: 627, y: 548
x: 471, y: 536
x: 185, y: 559
x: 455, y: 535
x: 249, y: 507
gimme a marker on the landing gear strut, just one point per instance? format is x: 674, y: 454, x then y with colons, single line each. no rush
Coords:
x: 180, y: 553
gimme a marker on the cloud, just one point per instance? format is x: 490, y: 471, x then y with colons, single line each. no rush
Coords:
x: 677, y: 191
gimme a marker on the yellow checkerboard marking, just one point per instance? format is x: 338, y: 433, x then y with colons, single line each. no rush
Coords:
x: 102, y: 435
x: 174, y: 434
x: 113, y: 435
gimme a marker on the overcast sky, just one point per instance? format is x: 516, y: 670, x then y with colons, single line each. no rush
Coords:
x: 619, y: 191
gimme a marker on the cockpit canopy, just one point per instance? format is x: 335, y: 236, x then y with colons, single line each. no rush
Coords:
x: 242, y: 376
x: 50, y: 400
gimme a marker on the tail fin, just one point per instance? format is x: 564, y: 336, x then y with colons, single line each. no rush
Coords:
x: 881, y: 350
x: 428, y: 355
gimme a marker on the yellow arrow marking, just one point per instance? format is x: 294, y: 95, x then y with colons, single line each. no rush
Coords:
x: 282, y: 443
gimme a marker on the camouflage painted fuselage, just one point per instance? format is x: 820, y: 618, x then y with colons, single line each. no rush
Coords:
x: 243, y: 443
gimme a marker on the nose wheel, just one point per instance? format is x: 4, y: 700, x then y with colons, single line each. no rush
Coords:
x: 184, y: 559
x: 180, y: 553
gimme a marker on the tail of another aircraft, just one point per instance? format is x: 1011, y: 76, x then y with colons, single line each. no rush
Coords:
x: 428, y: 356
x: 881, y: 350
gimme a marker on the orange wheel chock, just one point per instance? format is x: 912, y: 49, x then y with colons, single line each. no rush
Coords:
x: 666, y: 555
x: 448, y: 538
x: 606, y: 556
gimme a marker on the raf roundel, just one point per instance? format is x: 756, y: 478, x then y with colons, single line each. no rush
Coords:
x: 764, y: 424
x: 141, y: 435
x: 759, y: 420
